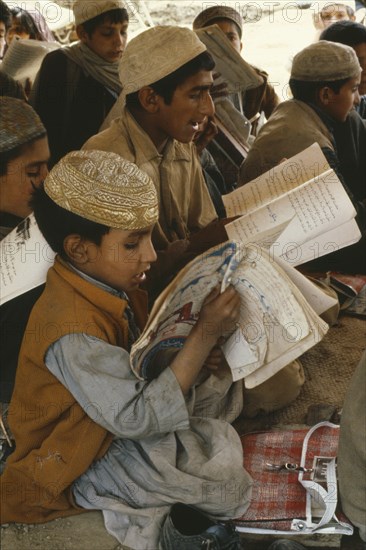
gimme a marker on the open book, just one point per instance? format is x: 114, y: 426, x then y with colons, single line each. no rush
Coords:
x: 234, y: 128
x: 298, y: 210
x: 25, y: 260
x: 24, y: 58
x: 278, y: 322
x: 236, y: 72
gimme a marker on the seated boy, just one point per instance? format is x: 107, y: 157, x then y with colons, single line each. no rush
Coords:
x: 164, y: 101
x: 165, y: 98
x: 253, y: 101
x: 89, y: 434
x: 354, y: 35
x: 24, y: 155
x: 77, y: 85
x: 324, y: 82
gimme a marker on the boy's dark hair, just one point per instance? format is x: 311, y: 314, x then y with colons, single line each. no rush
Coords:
x: 345, y: 32
x: 5, y: 15
x: 119, y: 15
x: 308, y: 91
x: 26, y: 21
x: 56, y: 223
x: 7, y: 156
x: 165, y: 87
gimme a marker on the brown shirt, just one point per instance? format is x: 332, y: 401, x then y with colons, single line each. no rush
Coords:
x: 184, y: 201
x: 292, y: 127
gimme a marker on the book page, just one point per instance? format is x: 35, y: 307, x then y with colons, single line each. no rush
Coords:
x: 303, y: 167
x: 25, y: 260
x: 24, y: 57
x: 344, y: 235
x: 318, y: 300
x: 274, y: 363
x: 309, y: 210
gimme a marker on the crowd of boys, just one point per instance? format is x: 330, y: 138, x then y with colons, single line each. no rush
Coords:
x: 127, y: 207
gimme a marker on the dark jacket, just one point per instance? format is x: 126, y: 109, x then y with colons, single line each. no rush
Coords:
x: 72, y: 106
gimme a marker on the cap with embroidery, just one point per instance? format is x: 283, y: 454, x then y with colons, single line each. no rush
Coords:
x: 325, y: 61
x: 156, y: 53
x: 88, y: 9
x: 20, y: 124
x: 104, y: 188
x: 205, y: 18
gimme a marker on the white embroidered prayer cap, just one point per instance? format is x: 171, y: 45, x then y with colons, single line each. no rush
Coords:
x: 104, y: 188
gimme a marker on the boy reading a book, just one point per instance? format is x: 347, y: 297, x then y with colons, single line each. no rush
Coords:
x: 167, y: 76
x: 253, y: 101
x: 24, y: 154
x: 89, y: 434
x: 324, y: 81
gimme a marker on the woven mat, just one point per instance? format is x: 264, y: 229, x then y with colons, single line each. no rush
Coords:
x: 328, y: 369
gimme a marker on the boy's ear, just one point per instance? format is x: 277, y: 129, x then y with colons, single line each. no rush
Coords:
x: 76, y: 249
x: 82, y: 34
x: 149, y: 99
x: 325, y: 95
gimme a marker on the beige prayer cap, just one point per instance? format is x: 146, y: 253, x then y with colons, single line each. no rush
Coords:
x: 156, y: 53
x: 104, y: 188
x: 20, y: 124
x: 325, y: 61
x: 205, y: 18
x: 88, y: 9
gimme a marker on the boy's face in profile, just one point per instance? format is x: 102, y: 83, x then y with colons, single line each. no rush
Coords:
x: 108, y: 40
x: 24, y: 173
x: 191, y: 104
x: 340, y: 104
x: 121, y: 259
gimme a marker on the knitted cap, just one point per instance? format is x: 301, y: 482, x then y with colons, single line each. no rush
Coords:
x: 156, y: 53
x: 104, y: 188
x: 325, y: 61
x: 88, y: 9
x: 205, y: 18
x: 19, y: 124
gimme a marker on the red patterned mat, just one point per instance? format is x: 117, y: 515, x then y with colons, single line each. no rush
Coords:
x: 278, y: 497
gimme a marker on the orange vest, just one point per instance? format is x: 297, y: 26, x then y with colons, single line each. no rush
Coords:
x: 56, y: 441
